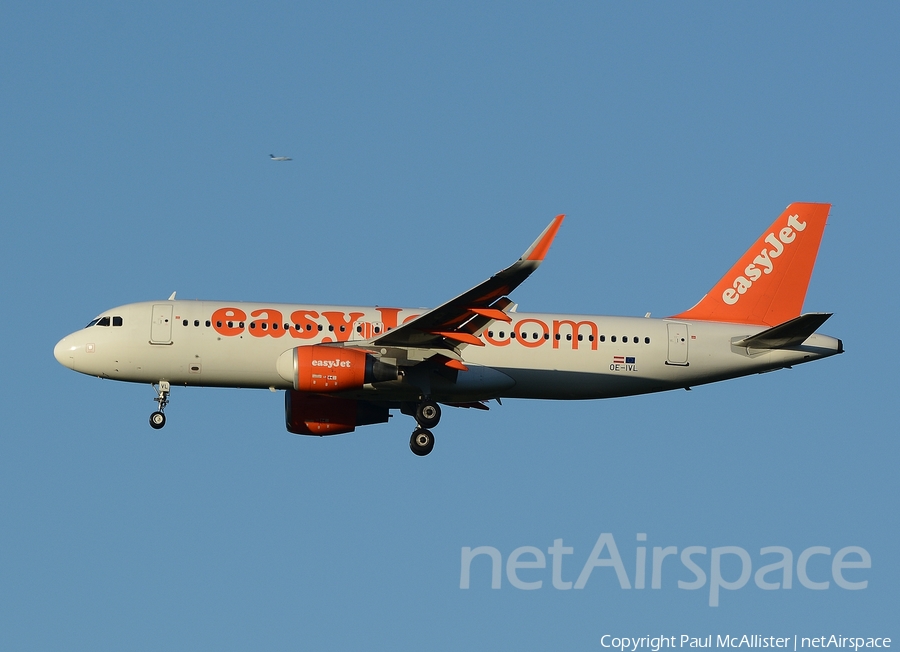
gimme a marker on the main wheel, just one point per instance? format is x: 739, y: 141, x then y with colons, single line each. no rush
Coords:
x: 422, y: 442
x: 157, y: 420
x: 428, y: 414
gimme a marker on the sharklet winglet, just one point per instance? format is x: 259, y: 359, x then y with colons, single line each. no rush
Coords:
x: 538, y: 250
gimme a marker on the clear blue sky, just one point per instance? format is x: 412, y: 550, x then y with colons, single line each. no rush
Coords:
x: 431, y: 144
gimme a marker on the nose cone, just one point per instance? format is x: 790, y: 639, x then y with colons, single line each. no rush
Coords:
x: 63, y: 352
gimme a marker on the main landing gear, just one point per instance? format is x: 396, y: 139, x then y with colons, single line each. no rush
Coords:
x: 428, y: 415
x: 158, y: 419
x: 421, y: 442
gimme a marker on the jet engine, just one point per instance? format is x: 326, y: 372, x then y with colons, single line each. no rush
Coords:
x: 314, y: 414
x: 326, y: 369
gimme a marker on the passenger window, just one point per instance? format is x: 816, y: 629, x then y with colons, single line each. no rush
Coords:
x: 196, y: 322
x: 377, y: 330
x: 117, y: 321
x: 646, y: 340
x: 612, y: 339
x: 490, y: 333
x: 569, y: 337
x: 320, y: 327
x: 580, y: 337
x: 208, y: 323
x: 546, y: 336
x: 591, y: 338
x: 185, y: 322
x: 603, y: 338
x: 219, y: 324
x: 636, y: 340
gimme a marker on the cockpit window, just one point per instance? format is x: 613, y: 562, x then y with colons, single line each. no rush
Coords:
x: 105, y: 321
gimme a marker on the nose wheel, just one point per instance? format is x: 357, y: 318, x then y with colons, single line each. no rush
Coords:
x: 158, y: 418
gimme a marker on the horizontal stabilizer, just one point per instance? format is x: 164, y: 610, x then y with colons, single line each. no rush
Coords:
x: 793, y: 332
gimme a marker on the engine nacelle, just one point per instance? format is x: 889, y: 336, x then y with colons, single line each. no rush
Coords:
x: 313, y: 414
x: 326, y: 369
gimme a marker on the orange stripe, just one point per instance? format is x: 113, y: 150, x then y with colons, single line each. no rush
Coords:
x: 456, y: 364
x: 492, y: 313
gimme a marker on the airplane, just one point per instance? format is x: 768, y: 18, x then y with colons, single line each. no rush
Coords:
x: 343, y: 367
x: 280, y: 158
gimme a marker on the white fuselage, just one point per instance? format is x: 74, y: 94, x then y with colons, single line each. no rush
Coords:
x: 536, y: 355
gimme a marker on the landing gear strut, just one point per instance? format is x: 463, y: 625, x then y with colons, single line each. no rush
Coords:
x: 158, y: 419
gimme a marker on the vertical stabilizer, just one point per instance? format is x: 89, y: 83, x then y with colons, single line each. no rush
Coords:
x: 768, y: 284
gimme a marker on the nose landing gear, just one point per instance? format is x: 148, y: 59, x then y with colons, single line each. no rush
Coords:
x: 158, y: 418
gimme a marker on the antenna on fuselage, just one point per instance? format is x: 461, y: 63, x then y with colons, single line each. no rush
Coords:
x: 172, y: 298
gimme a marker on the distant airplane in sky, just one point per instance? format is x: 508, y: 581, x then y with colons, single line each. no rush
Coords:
x: 280, y: 158
x: 343, y: 367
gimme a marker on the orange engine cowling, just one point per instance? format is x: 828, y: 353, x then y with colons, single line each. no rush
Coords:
x: 313, y: 414
x: 325, y: 369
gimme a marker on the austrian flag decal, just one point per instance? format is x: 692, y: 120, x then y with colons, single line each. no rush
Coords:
x: 623, y: 363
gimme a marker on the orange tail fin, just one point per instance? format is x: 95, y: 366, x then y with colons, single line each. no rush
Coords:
x: 768, y: 284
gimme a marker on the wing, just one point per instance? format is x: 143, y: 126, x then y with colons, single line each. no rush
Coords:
x: 458, y: 321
